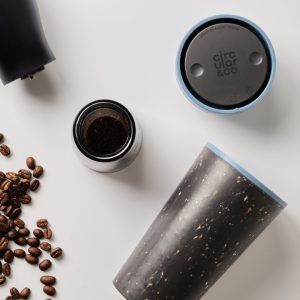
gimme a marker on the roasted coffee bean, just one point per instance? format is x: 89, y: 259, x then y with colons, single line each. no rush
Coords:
x: 25, y: 199
x: 5, y: 186
x: 1, y: 137
x: 56, y: 252
x: 2, y: 176
x: 4, y: 150
x: 15, y: 293
x: 25, y: 293
x: 19, y: 223
x: 24, y: 232
x: 21, y: 241
x: 25, y: 174
x: 31, y: 259
x: 42, y: 223
x: 38, y: 233
x: 48, y: 280
x: 49, y: 290
x: 35, y: 251
x: 4, y: 227
x: 45, y: 246
x: 16, y: 213
x: 45, y: 265
x: 34, y: 185
x: 2, y: 279
x: 3, y: 244
x: 38, y: 171
x: 12, y: 234
x: 4, y: 197
x: 33, y: 242
x: 8, y: 210
x: 20, y: 253
x: 8, y: 256
x: 6, y: 269
x: 12, y: 176
x: 30, y: 162
x: 48, y: 234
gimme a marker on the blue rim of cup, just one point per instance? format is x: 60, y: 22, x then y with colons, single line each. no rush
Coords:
x: 245, y: 173
x: 197, y: 101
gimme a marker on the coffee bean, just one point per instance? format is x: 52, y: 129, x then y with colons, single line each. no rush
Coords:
x: 25, y: 293
x: 12, y: 176
x: 38, y: 233
x: 48, y: 234
x: 8, y: 210
x: 15, y: 293
x: 45, y: 246
x: 24, y: 232
x: 4, y: 150
x: 42, y: 223
x: 4, y: 197
x: 2, y: 176
x: 2, y: 279
x: 6, y: 269
x: 20, y: 253
x: 12, y: 234
x: 56, y: 252
x: 25, y: 174
x: 21, y: 241
x: 19, y: 223
x: 3, y: 244
x: 48, y: 280
x: 4, y: 227
x: 5, y: 186
x: 31, y: 259
x: 34, y: 185
x: 16, y: 213
x: 25, y: 199
x: 30, y: 162
x: 33, y: 242
x: 49, y: 290
x: 1, y: 137
x: 45, y: 265
x: 35, y: 251
x: 38, y: 171
x: 8, y: 256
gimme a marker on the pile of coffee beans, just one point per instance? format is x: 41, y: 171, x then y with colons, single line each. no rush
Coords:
x: 15, y: 188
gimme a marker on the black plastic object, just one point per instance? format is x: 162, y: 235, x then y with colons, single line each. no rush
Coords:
x: 226, y: 64
x: 23, y: 46
x: 216, y: 212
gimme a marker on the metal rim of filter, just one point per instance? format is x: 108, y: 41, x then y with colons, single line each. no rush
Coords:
x: 193, y: 96
x: 110, y: 104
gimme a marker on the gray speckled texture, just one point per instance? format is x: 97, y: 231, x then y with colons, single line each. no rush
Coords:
x: 211, y: 218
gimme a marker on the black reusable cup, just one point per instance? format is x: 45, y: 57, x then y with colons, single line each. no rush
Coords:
x: 213, y: 216
x: 24, y: 50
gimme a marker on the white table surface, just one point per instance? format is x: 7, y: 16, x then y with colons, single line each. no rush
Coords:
x: 125, y: 50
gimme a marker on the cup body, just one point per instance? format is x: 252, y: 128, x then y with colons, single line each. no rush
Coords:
x: 226, y: 64
x: 112, y: 162
x: 213, y: 216
x: 24, y: 49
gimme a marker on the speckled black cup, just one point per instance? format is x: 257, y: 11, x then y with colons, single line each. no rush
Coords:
x: 216, y: 212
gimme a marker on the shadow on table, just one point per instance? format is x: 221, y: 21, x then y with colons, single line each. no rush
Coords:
x: 42, y: 86
x: 264, y: 265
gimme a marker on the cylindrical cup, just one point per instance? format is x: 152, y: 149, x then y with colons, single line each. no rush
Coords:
x: 107, y: 137
x: 23, y: 47
x: 215, y: 213
x: 225, y: 64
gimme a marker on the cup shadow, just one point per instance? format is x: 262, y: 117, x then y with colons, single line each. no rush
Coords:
x: 263, y: 266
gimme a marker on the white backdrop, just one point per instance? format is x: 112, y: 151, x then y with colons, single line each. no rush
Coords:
x: 126, y: 50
